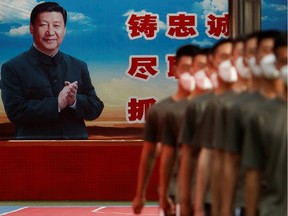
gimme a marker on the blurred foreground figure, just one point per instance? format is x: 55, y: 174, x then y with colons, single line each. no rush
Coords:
x: 175, y: 115
x: 154, y: 126
x: 265, y: 143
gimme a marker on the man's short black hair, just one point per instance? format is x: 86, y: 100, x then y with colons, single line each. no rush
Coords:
x: 251, y: 35
x: 204, y: 51
x: 268, y: 34
x: 186, y: 50
x: 219, y: 43
x: 280, y: 41
x: 239, y: 39
x: 47, y: 7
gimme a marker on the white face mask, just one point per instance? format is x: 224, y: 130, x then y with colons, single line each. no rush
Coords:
x: 242, y: 70
x: 187, y: 82
x: 255, y: 69
x: 202, y: 81
x: 227, y: 72
x: 267, y: 65
x: 284, y: 73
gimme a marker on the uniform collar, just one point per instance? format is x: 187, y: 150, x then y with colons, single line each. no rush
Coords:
x: 46, y: 59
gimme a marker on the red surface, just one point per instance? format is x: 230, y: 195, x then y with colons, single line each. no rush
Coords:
x: 83, y: 211
x: 83, y: 170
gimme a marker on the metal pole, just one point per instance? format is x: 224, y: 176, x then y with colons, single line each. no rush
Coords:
x: 244, y: 17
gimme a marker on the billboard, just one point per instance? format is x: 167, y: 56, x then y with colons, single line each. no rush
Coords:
x: 129, y: 47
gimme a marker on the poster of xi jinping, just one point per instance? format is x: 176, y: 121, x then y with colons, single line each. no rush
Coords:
x: 129, y: 48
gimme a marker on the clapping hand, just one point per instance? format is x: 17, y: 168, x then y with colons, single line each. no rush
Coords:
x: 67, y: 96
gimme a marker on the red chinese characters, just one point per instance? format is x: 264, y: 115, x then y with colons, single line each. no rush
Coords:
x: 217, y: 26
x: 143, y: 67
x: 170, y: 62
x: 137, y: 108
x: 182, y: 25
x: 145, y: 25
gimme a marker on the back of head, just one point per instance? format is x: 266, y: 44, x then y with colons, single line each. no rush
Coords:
x: 186, y: 50
x: 47, y: 7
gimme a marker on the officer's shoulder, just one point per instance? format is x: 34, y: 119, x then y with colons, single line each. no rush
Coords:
x: 21, y: 58
x: 158, y: 106
x: 165, y: 101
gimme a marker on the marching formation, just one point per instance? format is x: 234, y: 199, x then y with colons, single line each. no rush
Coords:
x: 222, y: 136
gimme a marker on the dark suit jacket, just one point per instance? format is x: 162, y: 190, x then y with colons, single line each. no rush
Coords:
x: 31, y: 83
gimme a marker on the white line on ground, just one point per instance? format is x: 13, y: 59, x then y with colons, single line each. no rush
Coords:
x: 13, y: 211
x: 98, y: 209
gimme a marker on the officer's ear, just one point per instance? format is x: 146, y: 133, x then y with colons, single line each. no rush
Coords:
x: 176, y: 72
x: 31, y: 27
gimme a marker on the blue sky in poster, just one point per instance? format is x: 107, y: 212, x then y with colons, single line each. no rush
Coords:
x: 274, y: 14
x: 96, y: 33
x: 96, y: 29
